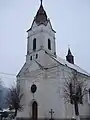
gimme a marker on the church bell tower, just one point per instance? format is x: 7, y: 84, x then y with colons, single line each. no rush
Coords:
x: 41, y: 36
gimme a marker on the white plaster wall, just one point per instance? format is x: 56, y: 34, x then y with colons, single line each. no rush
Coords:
x: 42, y: 33
x: 47, y: 97
x: 49, y: 94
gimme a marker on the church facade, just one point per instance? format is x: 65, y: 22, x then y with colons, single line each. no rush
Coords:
x: 42, y: 77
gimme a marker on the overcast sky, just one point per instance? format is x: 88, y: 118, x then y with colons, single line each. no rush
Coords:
x: 70, y: 19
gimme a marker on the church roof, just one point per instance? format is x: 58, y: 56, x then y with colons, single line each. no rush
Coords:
x: 70, y: 57
x: 72, y: 66
x: 69, y: 52
x: 41, y: 16
x: 60, y: 61
x: 69, y: 65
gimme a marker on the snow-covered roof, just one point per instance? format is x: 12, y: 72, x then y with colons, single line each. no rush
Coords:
x: 72, y: 66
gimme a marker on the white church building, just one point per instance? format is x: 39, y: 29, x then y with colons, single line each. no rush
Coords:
x: 42, y: 77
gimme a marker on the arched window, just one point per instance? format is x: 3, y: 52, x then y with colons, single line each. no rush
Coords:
x: 49, y: 44
x: 89, y: 95
x: 34, y: 111
x: 34, y: 44
x: 79, y: 94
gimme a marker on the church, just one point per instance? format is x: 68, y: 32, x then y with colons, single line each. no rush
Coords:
x: 42, y: 77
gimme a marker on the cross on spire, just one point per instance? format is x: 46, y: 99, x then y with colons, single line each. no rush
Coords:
x: 51, y: 113
x: 41, y: 2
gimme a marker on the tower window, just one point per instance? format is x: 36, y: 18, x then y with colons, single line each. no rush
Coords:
x: 34, y: 44
x: 49, y: 44
x: 31, y: 58
x: 36, y: 56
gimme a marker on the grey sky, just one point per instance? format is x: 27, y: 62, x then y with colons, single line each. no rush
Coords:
x: 70, y: 19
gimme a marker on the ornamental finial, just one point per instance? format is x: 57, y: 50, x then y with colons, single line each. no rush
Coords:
x: 41, y: 2
x: 68, y: 46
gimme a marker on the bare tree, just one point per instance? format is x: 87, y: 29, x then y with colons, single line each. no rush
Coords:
x: 3, y: 92
x: 13, y: 100
x: 75, y: 88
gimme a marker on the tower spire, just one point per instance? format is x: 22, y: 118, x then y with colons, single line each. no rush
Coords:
x: 41, y: 16
x: 41, y: 2
x: 70, y: 57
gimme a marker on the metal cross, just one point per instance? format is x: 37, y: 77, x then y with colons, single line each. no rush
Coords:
x: 41, y: 2
x: 51, y: 112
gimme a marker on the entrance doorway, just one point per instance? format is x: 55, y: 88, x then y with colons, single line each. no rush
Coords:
x: 34, y: 111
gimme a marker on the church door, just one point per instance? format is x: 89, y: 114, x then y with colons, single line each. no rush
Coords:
x: 34, y: 111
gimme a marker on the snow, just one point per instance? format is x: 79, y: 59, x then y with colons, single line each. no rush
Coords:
x: 72, y: 66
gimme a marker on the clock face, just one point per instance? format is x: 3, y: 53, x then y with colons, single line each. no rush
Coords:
x: 33, y: 88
